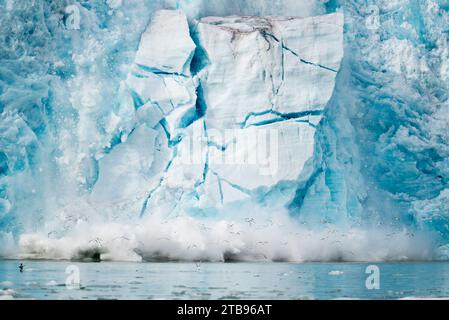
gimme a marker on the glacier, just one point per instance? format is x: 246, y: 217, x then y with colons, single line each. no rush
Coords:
x: 224, y: 130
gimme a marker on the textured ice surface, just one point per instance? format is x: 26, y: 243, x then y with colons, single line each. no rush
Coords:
x: 272, y: 74
x: 243, y: 78
x: 279, y: 130
x: 166, y: 46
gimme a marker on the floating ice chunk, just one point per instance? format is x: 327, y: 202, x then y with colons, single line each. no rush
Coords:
x: 51, y: 283
x: 166, y: 45
x: 7, y: 294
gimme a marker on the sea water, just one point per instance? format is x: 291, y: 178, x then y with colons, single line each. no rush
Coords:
x: 116, y: 280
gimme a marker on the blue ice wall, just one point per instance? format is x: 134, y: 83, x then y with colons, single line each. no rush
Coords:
x: 383, y: 158
x: 52, y: 53
x: 382, y: 152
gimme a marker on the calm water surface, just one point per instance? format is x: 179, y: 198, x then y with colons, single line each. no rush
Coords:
x: 114, y: 280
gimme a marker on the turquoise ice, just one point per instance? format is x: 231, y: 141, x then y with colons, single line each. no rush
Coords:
x: 102, y: 100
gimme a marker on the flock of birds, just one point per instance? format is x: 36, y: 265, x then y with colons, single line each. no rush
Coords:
x: 333, y: 236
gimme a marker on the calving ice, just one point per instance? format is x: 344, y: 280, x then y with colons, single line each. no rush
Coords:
x: 259, y: 136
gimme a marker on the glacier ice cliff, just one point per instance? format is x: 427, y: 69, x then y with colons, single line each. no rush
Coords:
x: 224, y: 130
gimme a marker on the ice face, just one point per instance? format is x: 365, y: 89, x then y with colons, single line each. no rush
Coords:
x: 165, y: 45
x: 276, y: 65
x: 383, y: 143
x: 250, y: 125
x: 258, y: 85
x: 232, y: 125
